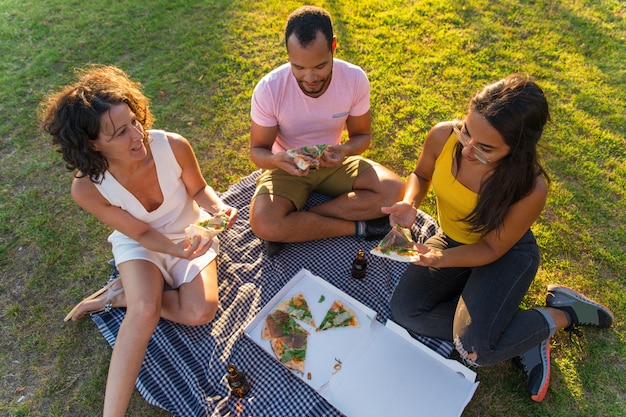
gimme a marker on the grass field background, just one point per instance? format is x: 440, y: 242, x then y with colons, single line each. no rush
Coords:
x: 199, y: 62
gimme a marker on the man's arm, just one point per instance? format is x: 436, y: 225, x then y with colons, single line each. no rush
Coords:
x: 261, y: 140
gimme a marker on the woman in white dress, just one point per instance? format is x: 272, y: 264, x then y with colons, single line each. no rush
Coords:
x: 147, y: 186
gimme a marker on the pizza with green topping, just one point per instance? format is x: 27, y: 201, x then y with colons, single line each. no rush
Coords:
x: 398, y: 245
x: 307, y: 156
x: 207, y: 229
x: 287, y: 338
x: 297, y: 308
x: 339, y: 315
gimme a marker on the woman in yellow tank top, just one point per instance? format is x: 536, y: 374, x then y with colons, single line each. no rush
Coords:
x: 472, y: 276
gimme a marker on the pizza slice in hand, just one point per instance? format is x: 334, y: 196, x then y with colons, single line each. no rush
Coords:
x: 207, y: 229
x: 307, y: 156
x: 297, y: 308
x: 398, y: 245
x: 339, y: 315
x: 398, y: 240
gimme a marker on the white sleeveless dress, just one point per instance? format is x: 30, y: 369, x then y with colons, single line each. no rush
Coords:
x: 177, y: 212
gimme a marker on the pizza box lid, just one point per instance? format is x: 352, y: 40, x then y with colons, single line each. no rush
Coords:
x: 396, y: 375
x: 384, y: 371
x: 326, y: 349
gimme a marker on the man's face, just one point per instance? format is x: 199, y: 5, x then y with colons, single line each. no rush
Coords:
x: 312, y: 66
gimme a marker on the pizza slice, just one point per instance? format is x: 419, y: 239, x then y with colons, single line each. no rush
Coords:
x: 339, y: 315
x: 290, y: 354
x: 288, y: 339
x: 307, y: 156
x: 398, y: 244
x: 207, y: 229
x: 217, y: 222
x: 297, y: 308
x: 280, y: 324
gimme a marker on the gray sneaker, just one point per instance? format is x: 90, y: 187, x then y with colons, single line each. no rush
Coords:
x: 536, y: 365
x: 582, y: 310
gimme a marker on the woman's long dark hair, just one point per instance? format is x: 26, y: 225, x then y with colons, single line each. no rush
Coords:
x: 517, y: 108
x: 72, y: 116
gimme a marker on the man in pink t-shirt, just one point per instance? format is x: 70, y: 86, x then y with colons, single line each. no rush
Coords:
x: 309, y: 101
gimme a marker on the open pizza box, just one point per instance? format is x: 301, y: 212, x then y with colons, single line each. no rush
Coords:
x: 372, y: 369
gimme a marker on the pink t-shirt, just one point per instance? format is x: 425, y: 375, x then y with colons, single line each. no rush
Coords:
x: 304, y: 120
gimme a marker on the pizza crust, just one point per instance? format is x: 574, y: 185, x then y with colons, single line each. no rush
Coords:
x: 395, y: 255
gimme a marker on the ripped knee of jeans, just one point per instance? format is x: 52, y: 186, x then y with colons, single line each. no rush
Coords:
x: 469, y: 358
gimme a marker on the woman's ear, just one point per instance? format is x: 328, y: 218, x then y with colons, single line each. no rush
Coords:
x: 94, y: 144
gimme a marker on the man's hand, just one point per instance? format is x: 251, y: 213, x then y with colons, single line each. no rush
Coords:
x: 333, y: 156
x: 287, y: 163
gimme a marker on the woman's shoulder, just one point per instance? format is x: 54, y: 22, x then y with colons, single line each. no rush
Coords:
x: 181, y: 148
x: 441, y: 130
x: 82, y: 189
x: 541, y: 187
x: 438, y: 136
x: 163, y: 136
x: 176, y: 140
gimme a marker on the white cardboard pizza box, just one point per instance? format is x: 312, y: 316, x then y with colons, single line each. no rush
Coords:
x: 325, y: 349
x: 383, y: 371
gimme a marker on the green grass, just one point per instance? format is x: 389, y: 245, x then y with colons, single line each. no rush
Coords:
x: 200, y: 60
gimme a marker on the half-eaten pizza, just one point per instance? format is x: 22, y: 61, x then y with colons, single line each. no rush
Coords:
x: 307, y: 156
x: 207, y: 229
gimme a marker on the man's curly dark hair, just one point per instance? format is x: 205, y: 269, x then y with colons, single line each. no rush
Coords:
x: 305, y: 22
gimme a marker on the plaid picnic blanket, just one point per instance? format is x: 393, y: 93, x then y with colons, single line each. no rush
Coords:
x: 184, y: 371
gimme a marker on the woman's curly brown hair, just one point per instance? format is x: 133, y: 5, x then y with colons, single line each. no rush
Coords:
x: 72, y: 116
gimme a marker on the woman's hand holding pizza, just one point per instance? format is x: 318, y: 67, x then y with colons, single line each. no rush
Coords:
x: 231, y: 213
x: 428, y: 256
x: 191, y: 249
x: 401, y: 213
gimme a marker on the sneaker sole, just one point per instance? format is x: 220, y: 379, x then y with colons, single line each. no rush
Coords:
x: 544, y: 387
x: 591, y: 305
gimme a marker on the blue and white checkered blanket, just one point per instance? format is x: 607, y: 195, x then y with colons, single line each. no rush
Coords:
x: 184, y: 371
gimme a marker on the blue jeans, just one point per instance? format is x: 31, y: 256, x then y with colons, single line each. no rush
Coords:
x: 475, y: 307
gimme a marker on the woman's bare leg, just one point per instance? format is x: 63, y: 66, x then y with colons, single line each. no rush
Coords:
x: 194, y: 303
x: 143, y: 289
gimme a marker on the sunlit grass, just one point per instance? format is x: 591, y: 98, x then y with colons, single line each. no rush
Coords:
x: 199, y: 61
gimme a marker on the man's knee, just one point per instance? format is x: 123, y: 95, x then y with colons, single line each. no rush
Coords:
x: 391, y: 188
x: 394, y: 189
x: 266, y: 228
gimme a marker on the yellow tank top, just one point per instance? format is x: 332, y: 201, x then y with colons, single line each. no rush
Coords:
x: 454, y: 200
